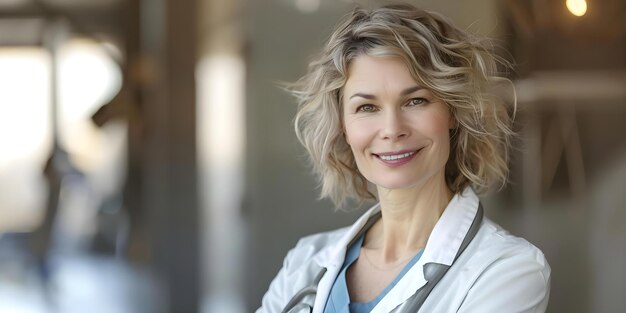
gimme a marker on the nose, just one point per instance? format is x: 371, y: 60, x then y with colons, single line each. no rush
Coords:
x: 395, y: 126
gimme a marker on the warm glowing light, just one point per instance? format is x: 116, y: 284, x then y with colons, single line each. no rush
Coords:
x: 25, y: 139
x: 221, y: 99
x: 24, y: 90
x: 88, y: 78
x: 577, y: 7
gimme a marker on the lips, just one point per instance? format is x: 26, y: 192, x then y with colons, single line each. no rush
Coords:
x: 397, y: 158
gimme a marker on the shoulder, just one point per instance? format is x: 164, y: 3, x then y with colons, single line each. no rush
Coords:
x: 310, y: 245
x: 298, y: 270
x: 496, y: 243
x: 504, y: 264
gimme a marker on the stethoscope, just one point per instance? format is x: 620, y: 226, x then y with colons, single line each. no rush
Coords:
x: 433, y: 272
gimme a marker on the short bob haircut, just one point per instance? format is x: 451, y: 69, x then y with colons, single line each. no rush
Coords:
x: 457, y: 67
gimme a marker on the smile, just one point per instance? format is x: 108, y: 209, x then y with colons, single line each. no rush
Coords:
x: 394, y: 159
x: 396, y: 156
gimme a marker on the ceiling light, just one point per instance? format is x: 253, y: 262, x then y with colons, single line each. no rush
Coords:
x: 577, y: 7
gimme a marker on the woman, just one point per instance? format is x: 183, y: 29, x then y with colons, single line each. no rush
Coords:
x: 399, y: 100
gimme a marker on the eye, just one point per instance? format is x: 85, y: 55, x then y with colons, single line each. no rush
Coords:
x: 367, y: 108
x: 417, y: 102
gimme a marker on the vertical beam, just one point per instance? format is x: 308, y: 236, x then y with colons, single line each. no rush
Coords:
x: 221, y: 145
x: 180, y: 65
x: 531, y: 162
x: 132, y: 85
x: 169, y: 182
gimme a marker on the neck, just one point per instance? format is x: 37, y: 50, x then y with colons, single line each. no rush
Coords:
x: 408, y: 217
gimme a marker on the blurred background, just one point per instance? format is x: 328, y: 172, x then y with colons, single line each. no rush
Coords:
x: 148, y: 161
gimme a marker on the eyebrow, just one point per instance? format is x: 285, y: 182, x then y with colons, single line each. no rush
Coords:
x: 404, y: 92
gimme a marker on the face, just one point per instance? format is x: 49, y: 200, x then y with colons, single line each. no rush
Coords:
x: 398, y: 131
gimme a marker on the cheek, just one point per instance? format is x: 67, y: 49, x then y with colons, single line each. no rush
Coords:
x: 435, y: 123
x: 357, y: 133
x: 436, y: 126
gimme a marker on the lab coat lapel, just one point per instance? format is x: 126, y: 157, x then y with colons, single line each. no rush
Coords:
x: 332, y: 258
x: 441, y: 248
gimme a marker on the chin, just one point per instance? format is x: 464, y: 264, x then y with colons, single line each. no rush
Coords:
x: 395, y: 184
x: 400, y: 180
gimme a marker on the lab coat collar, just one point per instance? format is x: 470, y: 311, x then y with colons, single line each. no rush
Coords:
x: 332, y: 257
x: 442, y: 246
x: 446, y: 238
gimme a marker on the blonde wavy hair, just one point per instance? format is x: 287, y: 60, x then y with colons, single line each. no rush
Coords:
x: 457, y: 67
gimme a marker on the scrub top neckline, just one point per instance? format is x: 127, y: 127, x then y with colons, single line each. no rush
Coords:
x: 341, y: 298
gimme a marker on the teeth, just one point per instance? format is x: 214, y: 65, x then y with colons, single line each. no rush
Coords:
x: 397, y: 156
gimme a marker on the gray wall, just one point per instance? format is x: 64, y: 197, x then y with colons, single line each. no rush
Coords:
x: 281, y: 194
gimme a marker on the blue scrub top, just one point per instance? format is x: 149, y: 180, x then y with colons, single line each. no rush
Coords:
x: 339, y: 298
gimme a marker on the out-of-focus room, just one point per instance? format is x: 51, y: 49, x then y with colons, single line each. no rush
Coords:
x: 148, y: 161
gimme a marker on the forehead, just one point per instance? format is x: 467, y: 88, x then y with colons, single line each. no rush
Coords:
x: 377, y: 74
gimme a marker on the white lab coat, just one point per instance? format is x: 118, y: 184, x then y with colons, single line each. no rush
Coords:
x: 497, y: 272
